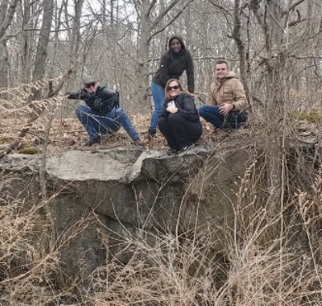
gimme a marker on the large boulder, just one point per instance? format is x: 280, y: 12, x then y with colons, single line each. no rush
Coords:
x: 124, y: 192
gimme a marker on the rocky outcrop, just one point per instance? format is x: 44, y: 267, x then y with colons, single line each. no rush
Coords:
x: 124, y: 192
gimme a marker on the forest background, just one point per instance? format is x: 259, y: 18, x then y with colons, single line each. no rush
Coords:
x: 275, y: 48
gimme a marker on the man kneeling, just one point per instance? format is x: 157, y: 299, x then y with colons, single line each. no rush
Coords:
x: 102, y: 114
x: 228, y: 99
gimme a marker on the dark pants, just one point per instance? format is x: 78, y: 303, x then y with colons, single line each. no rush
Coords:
x: 179, y: 131
x: 212, y: 115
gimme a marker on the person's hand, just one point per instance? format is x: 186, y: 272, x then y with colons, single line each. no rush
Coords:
x: 225, y: 108
x: 72, y: 94
x: 172, y: 109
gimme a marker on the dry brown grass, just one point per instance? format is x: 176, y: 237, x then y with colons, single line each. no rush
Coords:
x: 258, y: 268
x: 182, y: 271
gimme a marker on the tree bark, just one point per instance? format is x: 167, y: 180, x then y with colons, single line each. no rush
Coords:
x: 275, y: 82
x: 143, y: 54
x: 41, y: 55
x: 26, y: 43
x: 241, y: 49
x: 270, y: 18
x: 7, y: 11
x: 4, y: 64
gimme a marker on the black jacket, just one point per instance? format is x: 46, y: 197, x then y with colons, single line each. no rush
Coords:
x: 186, y: 107
x: 172, y: 66
x: 101, y: 102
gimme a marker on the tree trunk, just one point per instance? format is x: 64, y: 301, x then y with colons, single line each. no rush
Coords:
x: 270, y: 18
x: 75, y: 39
x: 4, y: 64
x: 275, y: 81
x: 241, y: 48
x: 26, y: 44
x: 41, y: 55
x: 142, y: 62
x: 7, y: 11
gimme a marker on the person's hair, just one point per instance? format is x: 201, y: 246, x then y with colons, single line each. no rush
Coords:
x: 166, y: 91
x: 221, y: 61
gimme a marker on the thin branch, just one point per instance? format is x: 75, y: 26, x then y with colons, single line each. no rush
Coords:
x: 304, y: 38
x: 150, y: 7
x: 305, y: 57
x: 60, y: 84
x: 136, y: 7
x: 298, y: 20
x: 163, y: 13
x: 220, y: 7
x: 171, y: 21
x: 292, y: 7
x: 201, y: 58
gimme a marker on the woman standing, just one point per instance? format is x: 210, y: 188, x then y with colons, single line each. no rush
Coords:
x: 179, y: 122
x: 172, y: 64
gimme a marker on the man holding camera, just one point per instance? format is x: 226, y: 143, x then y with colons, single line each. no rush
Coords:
x: 102, y: 113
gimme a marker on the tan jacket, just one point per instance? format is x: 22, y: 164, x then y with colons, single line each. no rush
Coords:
x: 230, y: 90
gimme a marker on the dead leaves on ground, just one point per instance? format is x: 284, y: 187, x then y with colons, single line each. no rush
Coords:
x: 69, y: 134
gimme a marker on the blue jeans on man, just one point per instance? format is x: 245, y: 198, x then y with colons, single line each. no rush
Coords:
x: 109, y: 123
x: 212, y: 115
x: 158, y: 98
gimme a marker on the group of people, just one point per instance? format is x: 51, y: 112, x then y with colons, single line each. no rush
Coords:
x: 175, y: 112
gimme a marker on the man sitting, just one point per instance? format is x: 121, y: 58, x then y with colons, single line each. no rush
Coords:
x: 102, y: 113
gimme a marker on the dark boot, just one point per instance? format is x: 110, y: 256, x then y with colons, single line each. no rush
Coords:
x: 92, y: 141
x: 138, y: 142
x: 152, y: 133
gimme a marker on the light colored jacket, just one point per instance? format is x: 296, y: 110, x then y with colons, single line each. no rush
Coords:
x: 229, y: 90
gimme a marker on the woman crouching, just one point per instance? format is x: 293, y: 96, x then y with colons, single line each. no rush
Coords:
x: 179, y: 122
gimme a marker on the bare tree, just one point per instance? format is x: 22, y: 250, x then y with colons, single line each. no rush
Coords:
x: 7, y: 11
x: 41, y: 55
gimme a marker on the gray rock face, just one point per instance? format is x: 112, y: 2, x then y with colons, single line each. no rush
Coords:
x: 123, y: 192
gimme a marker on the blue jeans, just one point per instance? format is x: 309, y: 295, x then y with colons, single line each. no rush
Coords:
x: 109, y: 123
x: 158, y: 98
x: 211, y: 114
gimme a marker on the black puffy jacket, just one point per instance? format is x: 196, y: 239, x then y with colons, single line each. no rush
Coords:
x: 101, y: 102
x: 186, y: 107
